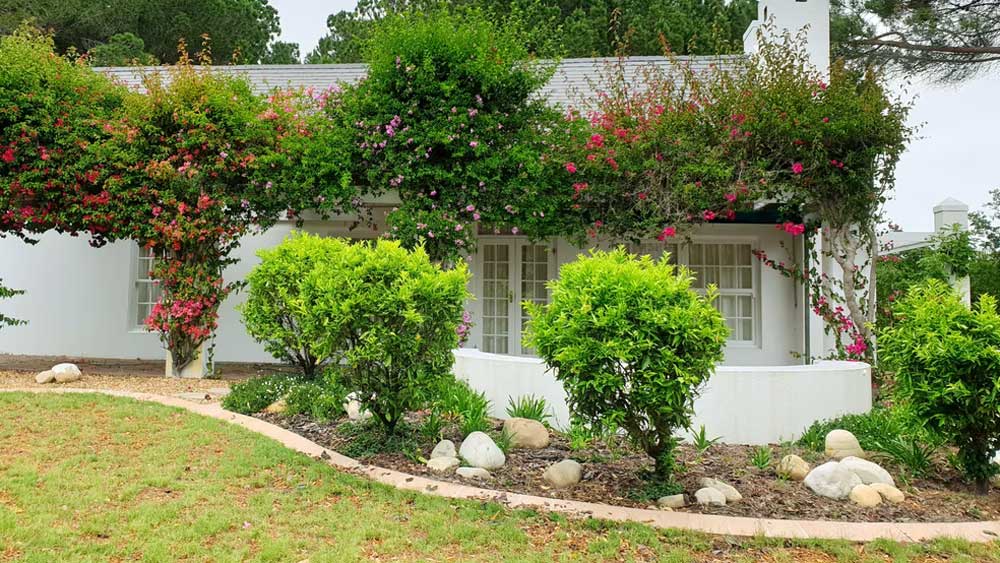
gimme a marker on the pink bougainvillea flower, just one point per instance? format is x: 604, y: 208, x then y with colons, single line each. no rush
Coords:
x: 708, y: 215
x: 570, y: 167
x: 473, y: 144
x: 667, y: 232
x: 797, y: 167
x: 730, y: 197
x: 8, y: 155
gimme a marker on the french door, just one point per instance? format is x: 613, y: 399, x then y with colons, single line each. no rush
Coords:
x: 513, y: 271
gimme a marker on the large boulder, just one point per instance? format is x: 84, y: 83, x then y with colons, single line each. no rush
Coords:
x: 564, y: 474
x: 709, y: 495
x: 444, y: 448
x: 727, y: 490
x: 479, y: 450
x: 66, y: 373
x: 865, y: 496
x: 526, y: 433
x: 832, y: 480
x: 355, y: 411
x: 793, y: 467
x: 867, y: 471
x: 841, y: 444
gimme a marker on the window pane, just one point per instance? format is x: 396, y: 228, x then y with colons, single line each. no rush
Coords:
x: 726, y: 255
x: 747, y: 329
x: 746, y: 278
x: 744, y: 254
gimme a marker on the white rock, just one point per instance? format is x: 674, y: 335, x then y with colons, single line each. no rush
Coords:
x: 277, y: 407
x: 832, y: 480
x: 671, y: 501
x: 473, y: 473
x: 863, y: 495
x: 564, y: 474
x: 443, y: 464
x: 867, y: 471
x: 841, y: 444
x: 47, y: 376
x: 793, y: 467
x: 727, y: 490
x: 526, y: 433
x: 890, y: 493
x: 355, y: 411
x: 444, y: 448
x: 709, y: 495
x: 479, y: 450
x: 67, y: 369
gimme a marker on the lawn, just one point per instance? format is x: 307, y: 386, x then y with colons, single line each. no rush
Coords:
x: 94, y: 478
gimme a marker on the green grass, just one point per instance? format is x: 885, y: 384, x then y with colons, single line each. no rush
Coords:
x: 95, y: 478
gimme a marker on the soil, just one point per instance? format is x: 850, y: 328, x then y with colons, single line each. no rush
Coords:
x: 131, y: 368
x: 614, y: 474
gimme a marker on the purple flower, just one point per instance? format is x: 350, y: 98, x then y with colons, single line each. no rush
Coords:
x: 473, y: 144
x: 223, y: 155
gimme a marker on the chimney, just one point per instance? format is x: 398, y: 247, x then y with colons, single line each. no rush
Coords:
x: 775, y: 17
x: 951, y: 212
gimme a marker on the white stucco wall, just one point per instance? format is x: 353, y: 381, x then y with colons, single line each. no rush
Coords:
x: 742, y: 405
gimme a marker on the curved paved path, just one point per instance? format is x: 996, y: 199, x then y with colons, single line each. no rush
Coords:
x: 708, y: 523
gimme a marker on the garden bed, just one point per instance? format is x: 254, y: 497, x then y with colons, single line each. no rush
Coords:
x: 613, y: 474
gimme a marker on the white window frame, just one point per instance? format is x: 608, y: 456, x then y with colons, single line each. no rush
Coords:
x: 515, y: 316
x: 137, y: 278
x: 683, y: 258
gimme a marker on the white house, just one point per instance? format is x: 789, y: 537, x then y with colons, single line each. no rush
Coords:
x: 90, y: 302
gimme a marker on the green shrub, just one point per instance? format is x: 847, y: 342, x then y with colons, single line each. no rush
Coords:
x: 389, y: 316
x: 529, y: 406
x: 631, y: 343
x: 254, y: 395
x: 461, y: 403
x: 946, y: 359
x: 320, y: 400
x: 275, y: 310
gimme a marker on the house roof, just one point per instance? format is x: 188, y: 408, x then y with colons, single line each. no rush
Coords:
x: 574, y: 81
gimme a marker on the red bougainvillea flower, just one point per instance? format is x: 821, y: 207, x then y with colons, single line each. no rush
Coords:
x: 797, y: 167
x: 8, y: 155
x: 794, y: 229
x: 570, y: 167
x: 708, y: 215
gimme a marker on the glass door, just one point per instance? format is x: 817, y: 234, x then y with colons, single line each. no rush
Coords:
x: 512, y: 272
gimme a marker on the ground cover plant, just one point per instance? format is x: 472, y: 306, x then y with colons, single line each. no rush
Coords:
x: 110, y: 478
x: 631, y: 343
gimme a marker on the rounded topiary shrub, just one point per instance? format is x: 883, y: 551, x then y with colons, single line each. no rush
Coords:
x: 631, y: 343
x: 389, y: 316
x: 946, y: 360
x: 275, y: 311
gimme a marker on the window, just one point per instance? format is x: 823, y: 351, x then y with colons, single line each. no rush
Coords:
x: 730, y: 268
x: 147, y: 291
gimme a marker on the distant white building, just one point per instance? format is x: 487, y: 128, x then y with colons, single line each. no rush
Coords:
x: 90, y: 302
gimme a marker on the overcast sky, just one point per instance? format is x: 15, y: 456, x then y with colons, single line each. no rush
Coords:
x: 956, y: 154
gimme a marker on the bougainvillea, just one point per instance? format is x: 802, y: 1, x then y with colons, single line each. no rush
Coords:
x: 448, y: 119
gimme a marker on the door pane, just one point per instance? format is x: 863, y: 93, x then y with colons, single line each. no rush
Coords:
x: 496, y: 293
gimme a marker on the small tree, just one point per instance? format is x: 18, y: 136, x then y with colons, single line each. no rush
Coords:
x: 946, y: 358
x: 631, y: 343
x: 390, y: 317
x: 275, y: 310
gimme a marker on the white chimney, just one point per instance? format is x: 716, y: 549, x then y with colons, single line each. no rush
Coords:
x: 776, y: 17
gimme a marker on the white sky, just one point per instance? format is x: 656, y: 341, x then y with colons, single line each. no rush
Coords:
x: 956, y: 154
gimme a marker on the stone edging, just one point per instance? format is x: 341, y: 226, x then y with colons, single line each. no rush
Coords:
x: 707, y: 523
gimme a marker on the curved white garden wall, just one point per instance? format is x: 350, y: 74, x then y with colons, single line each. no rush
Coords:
x: 743, y: 405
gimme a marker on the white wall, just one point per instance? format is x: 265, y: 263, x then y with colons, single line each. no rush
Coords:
x: 743, y: 405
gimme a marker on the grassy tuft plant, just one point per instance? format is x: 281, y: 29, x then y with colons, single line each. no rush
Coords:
x: 701, y: 441
x: 529, y: 406
x: 762, y: 457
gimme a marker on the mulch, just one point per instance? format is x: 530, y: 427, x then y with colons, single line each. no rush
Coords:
x: 130, y: 368
x: 614, y: 474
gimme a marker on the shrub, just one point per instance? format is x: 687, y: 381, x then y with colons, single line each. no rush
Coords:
x: 529, y: 406
x: 274, y: 312
x: 320, y: 400
x: 389, y: 316
x: 631, y: 343
x: 254, y: 395
x: 468, y: 407
x: 946, y: 358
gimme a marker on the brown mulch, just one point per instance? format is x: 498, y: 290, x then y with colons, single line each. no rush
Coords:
x: 131, y: 368
x: 613, y: 474
x: 140, y: 384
